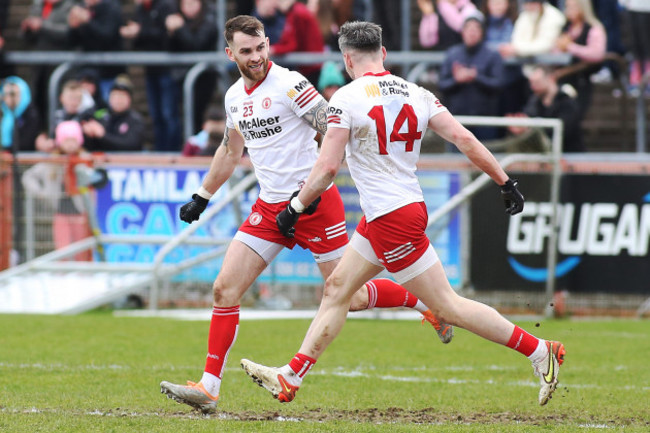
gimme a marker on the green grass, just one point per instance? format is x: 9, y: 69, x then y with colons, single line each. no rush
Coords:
x: 99, y: 373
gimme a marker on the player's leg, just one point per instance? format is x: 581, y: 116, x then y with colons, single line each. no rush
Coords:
x: 433, y: 288
x: 324, y: 234
x: 241, y: 266
x: 344, y: 281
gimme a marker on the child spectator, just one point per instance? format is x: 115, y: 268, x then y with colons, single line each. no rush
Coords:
x: 55, y: 184
x: 20, y: 119
x: 205, y: 143
x: 120, y: 129
x: 71, y: 99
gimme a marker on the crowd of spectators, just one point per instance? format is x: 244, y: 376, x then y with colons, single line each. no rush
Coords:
x: 478, y: 77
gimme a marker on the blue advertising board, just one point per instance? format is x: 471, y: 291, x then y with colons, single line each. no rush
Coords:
x: 146, y: 201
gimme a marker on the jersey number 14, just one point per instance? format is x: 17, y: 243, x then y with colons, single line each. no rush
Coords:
x: 406, y: 114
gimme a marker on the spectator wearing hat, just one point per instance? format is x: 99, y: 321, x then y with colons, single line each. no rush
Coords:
x: 471, y: 75
x: 120, y: 129
x: 91, y: 99
x: 536, y: 30
x: 54, y: 183
x: 330, y: 79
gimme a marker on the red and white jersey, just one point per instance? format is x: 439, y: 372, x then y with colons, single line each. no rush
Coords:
x: 281, y: 145
x: 387, y: 117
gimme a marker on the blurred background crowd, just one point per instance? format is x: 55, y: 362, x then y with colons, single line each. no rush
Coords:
x: 486, y: 46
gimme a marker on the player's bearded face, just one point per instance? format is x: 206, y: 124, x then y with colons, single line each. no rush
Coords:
x: 251, y: 53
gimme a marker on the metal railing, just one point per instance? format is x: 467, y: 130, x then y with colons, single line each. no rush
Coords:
x: 202, y: 61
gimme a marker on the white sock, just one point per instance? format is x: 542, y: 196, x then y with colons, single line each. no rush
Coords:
x: 420, y: 307
x: 211, y: 383
x: 540, y: 352
x: 290, y: 375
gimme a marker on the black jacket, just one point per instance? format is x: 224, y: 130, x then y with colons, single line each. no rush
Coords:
x: 565, y: 108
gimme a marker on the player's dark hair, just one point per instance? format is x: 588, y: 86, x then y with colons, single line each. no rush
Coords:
x: 360, y: 36
x: 243, y: 23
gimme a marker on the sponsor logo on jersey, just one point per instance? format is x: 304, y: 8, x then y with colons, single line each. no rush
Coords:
x: 334, y: 115
x: 298, y: 88
x: 372, y: 90
x: 393, y: 87
x: 255, y: 218
x: 250, y: 128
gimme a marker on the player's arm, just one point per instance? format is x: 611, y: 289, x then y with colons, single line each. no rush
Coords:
x: 327, y: 165
x: 320, y: 177
x: 316, y: 117
x: 222, y: 166
x: 225, y: 160
x: 445, y: 125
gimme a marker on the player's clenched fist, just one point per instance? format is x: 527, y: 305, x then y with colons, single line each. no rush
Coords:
x: 191, y: 210
x: 287, y: 219
x: 512, y: 198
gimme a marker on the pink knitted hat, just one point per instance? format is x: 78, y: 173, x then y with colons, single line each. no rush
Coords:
x: 68, y: 129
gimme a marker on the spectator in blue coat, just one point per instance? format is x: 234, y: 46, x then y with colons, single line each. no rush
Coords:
x: 470, y: 77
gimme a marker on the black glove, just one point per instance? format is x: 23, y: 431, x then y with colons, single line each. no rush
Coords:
x: 286, y: 220
x: 309, y: 210
x: 191, y: 210
x: 512, y: 198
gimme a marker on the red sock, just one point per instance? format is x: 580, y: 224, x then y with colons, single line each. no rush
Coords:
x: 223, y: 332
x: 384, y: 293
x: 301, y: 364
x: 522, y: 341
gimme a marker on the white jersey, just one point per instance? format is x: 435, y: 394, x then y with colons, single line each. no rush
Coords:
x: 387, y: 117
x: 281, y: 145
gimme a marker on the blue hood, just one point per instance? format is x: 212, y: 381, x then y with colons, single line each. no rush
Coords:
x: 9, y: 116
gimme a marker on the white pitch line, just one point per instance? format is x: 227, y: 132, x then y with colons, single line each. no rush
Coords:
x: 369, y: 372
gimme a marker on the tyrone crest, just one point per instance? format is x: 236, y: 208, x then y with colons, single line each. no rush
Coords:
x: 255, y: 218
x: 266, y: 103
